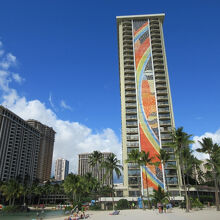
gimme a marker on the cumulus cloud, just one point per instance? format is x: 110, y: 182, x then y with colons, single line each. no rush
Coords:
x: 215, y: 137
x: 64, y: 105
x: 7, y: 61
x: 1, y: 50
x: 71, y: 138
x: 17, y: 78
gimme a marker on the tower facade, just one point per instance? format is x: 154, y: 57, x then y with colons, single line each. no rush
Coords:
x: 61, y: 169
x: 19, y: 148
x: 146, y: 104
x: 97, y: 172
x: 46, y: 150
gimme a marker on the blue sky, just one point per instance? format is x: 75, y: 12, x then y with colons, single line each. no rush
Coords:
x: 66, y: 51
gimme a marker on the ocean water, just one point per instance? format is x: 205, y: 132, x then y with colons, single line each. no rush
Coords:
x: 32, y: 215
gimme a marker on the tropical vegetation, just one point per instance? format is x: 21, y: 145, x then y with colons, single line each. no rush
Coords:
x: 142, y: 159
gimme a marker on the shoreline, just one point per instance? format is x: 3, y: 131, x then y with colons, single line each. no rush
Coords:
x: 139, y: 214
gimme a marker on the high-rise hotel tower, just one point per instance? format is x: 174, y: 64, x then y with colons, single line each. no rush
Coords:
x: 146, y: 105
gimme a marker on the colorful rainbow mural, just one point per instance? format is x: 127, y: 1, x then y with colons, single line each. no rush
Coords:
x: 147, y: 110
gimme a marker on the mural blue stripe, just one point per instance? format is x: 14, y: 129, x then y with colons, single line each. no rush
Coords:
x: 154, y: 177
x: 141, y: 33
x: 140, y: 96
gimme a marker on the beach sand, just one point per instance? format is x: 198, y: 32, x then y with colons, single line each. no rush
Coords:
x: 137, y: 214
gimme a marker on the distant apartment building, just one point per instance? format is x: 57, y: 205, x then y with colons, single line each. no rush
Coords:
x: 19, y: 147
x: 46, y: 150
x: 97, y: 172
x: 146, y: 103
x: 61, y: 169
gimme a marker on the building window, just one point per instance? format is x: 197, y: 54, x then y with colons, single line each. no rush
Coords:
x: 134, y: 193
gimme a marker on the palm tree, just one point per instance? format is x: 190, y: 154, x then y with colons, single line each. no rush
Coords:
x: 159, y: 196
x: 71, y: 185
x: 134, y: 157
x: 181, y: 142
x: 142, y: 159
x: 11, y: 190
x: 146, y: 160
x: 112, y: 164
x: 164, y: 157
x: 38, y: 191
x: 94, y: 160
x: 213, y: 163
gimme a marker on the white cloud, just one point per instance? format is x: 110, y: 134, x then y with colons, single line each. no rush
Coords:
x: 64, y: 105
x: 17, y: 78
x: 51, y: 101
x: 1, y: 52
x: 215, y: 137
x: 7, y: 61
x: 71, y: 138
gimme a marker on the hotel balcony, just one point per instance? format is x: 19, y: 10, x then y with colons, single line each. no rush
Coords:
x: 129, y: 74
x: 129, y: 58
x: 133, y: 165
x: 132, y: 137
x: 165, y: 142
x: 127, y: 48
x: 155, y: 36
x: 132, y: 130
x: 154, y: 27
x: 127, y: 37
x: 155, y: 41
x: 130, y: 81
x: 158, y: 58
x: 129, y: 71
x: 164, y: 116
x: 162, y: 97
x: 168, y: 149
x: 131, y: 124
x: 161, y: 80
x: 170, y: 165
x: 130, y: 93
x: 131, y: 117
x: 133, y: 144
x: 163, y: 110
x: 166, y: 136
x: 129, y: 62
x: 162, y: 103
x: 134, y: 111
x: 161, y: 86
x: 130, y: 87
x: 152, y: 21
x: 155, y: 32
x: 126, y: 24
x: 128, y: 43
x: 158, y: 61
x: 131, y: 105
x: 157, y: 50
x: 127, y: 29
x: 159, y: 67
x: 128, y: 55
x: 165, y: 123
x: 161, y: 92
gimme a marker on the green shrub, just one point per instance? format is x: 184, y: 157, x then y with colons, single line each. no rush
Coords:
x: 123, y: 204
x: 206, y: 199
x: 95, y: 207
x: 11, y: 209
x: 196, y: 203
x: 68, y: 208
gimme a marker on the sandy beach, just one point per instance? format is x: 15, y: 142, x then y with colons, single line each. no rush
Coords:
x: 176, y: 214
